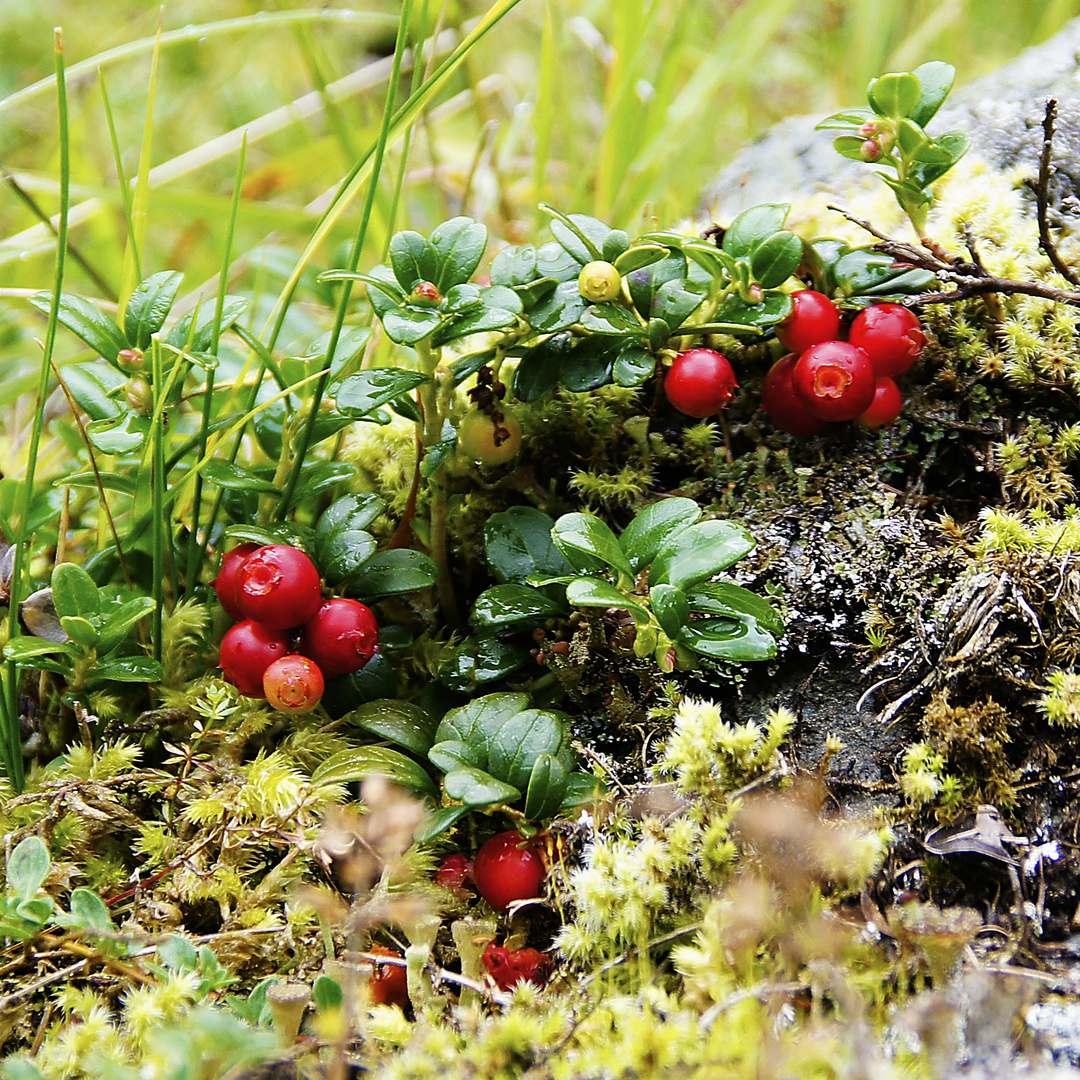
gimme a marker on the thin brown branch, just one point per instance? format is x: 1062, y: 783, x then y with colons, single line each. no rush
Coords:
x: 1041, y: 188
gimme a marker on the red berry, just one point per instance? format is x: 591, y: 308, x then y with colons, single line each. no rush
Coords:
x: 814, y: 317
x: 293, y: 684
x: 341, y: 637
x: 779, y: 400
x: 834, y: 380
x: 505, y: 871
x: 278, y: 586
x: 247, y: 650
x: 700, y: 382
x: 453, y: 872
x: 890, y: 335
x: 389, y: 983
x: 508, y: 967
x: 225, y: 583
x: 885, y: 408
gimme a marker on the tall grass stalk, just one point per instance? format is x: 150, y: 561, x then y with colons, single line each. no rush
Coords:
x: 122, y: 183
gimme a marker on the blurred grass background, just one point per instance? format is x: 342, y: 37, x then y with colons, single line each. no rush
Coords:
x: 621, y: 108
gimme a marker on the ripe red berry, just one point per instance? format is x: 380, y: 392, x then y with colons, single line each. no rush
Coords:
x: 341, y: 637
x: 225, y: 583
x: 885, y: 408
x: 389, y: 983
x: 453, y: 872
x: 834, y: 380
x: 293, y: 684
x: 890, y: 335
x: 508, y: 967
x: 700, y: 382
x: 247, y: 650
x: 508, y: 868
x: 278, y: 586
x: 779, y: 400
x: 814, y: 317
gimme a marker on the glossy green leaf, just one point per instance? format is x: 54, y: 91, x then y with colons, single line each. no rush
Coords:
x: 514, y: 748
x: 581, y: 788
x: 24, y: 651
x: 537, y: 372
x: 80, y: 630
x: 408, y: 324
x: 868, y: 273
x: 28, y: 867
x: 725, y: 598
x: 935, y: 82
x: 326, y: 994
x: 74, y: 592
x: 850, y: 118
x: 386, y: 573
x: 588, y: 544
x: 757, y: 318
x: 150, y: 303
x: 896, y: 94
x: 226, y: 474
x: 589, y: 364
x: 849, y: 146
x: 195, y: 330
x: 726, y: 639
x: 671, y: 607
x: 615, y: 244
x: 459, y: 244
x: 281, y: 532
x: 514, y: 266
x: 131, y: 669
x: 453, y: 754
x: 752, y: 226
x: 474, y: 322
x: 413, y: 259
x: 358, y: 763
x: 517, y: 543
x: 634, y: 258
x: 399, y: 721
x: 342, y: 543
x: 649, y: 530
x: 436, y: 454
x: 675, y: 301
x: 546, y: 788
x: 464, y: 298
x: 644, y: 283
x: 658, y: 332
x: 580, y: 236
x: 86, y: 322
x: 474, y: 787
x: 123, y: 435
x: 776, y: 258
x: 364, y: 392
x: 633, y: 366
x: 699, y: 553
x: 482, y: 717
x: 536, y: 292
x: 116, y: 623
x: 611, y: 318
x: 597, y: 593
x: 91, y: 386
x: 553, y: 261
x: 437, y: 823
x: 512, y: 605
x: 562, y: 309
x: 478, y: 661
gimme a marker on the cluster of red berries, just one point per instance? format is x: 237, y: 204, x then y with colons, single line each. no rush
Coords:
x: 824, y: 378
x: 289, y: 640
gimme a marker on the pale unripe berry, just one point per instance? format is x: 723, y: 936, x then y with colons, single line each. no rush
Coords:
x: 599, y: 281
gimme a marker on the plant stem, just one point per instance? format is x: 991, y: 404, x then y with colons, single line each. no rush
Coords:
x: 157, y: 495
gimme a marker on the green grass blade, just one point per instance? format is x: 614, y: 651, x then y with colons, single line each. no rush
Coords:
x: 122, y: 183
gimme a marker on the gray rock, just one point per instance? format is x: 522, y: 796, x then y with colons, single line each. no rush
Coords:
x: 1002, y: 112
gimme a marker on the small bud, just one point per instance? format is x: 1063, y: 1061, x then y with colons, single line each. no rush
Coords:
x: 869, y: 130
x: 870, y: 150
x: 755, y: 294
x: 130, y: 360
x: 425, y: 294
x: 140, y: 396
x: 599, y: 281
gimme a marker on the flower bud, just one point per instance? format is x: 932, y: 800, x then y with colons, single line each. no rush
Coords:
x: 599, y: 281
x: 130, y: 360
x: 140, y: 396
x: 870, y: 150
x: 425, y: 294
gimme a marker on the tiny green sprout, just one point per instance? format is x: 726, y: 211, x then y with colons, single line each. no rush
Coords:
x: 891, y: 133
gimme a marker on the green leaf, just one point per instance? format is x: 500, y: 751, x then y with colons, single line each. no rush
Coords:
x: 611, y: 319
x: 914, y: 143
x: 581, y: 788
x: 150, y: 303
x: 562, y: 309
x: 597, y: 593
x: 633, y: 366
x: 464, y: 298
x: 644, y: 283
x: 478, y: 661
x: 517, y: 543
x: 178, y: 953
x: 475, y: 322
x: 459, y: 244
x: 546, y: 788
x: 474, y: 787
x: 89, y: 911
x: 504, y: 606
x: 282, y: 532
x: 360, y: 762
x: 131, y: 669
x: 123, y: 435
x: 589, y: 364
x: 366, y: 391
x: 438, y: 822
x: 727, y: 599
x: 671, y: 608
x: 537, y: 372
x: 92, y: 385
x: 437, y: 453
x: 514, y: 266
x: 634, y: 258
x: 327, y: 994
x: 36, y: 910
x: 935, y: 82
x: 383, y: 289
x: 80, y: 630
x: 725, y: 639
x: 28, y: 867
x: 700, y: 552
x: 474, y: 722
x: 752, y: 226
x: 757, y: 318
x: 867, y: 273
x: 116, y: 624
x: 399, y: 721
x: 453, y: 754
x: 387, y: 573
x: 552, y: 261
x: 580, y: 236
x: 26, y: 651
x: 413, y: 259
x: 234, y: 477
x: 849, y: 146
x: 588, y: 544
x: 615, y: 245
x: 896, y: 94
x: 408, y: 324
x: 850, y: 118
x: 201, y: 337
x: 675, y: 301
x: 74, y: 592
x: 647, y: 533
x: 86, y: 322
x: 776, y: 258
x: 342, y: 543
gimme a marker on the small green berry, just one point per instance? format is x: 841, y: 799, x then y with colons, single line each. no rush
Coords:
x: 599, y: 281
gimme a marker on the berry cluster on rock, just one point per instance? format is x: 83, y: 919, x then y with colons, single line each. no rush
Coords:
x: 288, y: 640
x: 824, y: 379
